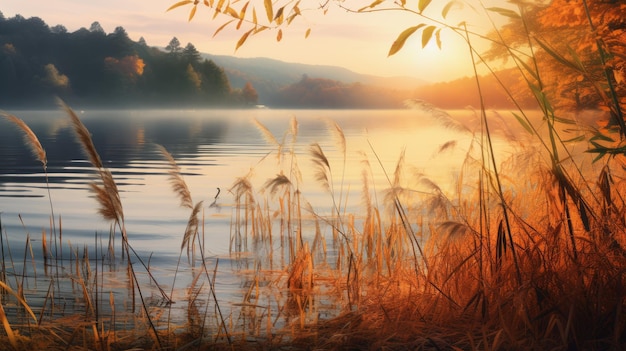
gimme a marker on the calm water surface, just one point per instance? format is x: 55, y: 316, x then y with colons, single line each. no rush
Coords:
x: 213, y: 148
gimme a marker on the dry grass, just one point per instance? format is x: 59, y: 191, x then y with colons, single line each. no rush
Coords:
x: 422, y: 269
x: 29, y: 137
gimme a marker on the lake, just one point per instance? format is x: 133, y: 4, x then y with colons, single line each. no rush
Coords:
x: 213, y: 148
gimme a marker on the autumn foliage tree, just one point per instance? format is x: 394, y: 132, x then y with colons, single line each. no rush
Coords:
x: 580, y: 48
x: 129, y: 66
x: 249, y: 94
x: 38, y: 63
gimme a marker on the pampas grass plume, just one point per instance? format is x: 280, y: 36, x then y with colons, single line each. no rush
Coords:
x: 179, y: 186
x: 84, y: 137
x: 29, y: 137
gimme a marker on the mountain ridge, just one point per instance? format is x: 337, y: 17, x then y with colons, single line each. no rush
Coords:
x: 277, y: 73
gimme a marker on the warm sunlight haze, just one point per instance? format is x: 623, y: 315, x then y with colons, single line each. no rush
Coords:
x: 220, y: 175
x: 359, y: 42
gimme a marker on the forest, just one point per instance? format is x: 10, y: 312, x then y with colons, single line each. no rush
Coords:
x: 91, y: 67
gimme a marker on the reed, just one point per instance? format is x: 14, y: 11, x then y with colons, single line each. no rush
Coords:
x: 111, y: 209
x: 31, y: 140
x: 527, y: 254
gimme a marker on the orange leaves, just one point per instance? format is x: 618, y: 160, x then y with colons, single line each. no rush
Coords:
x: 278, y: 14
x: 269, y: 10
x: 192, y: 12
x: 423, y: 4
x: 129, y: 66
x: 427, y: 34
x: 243, y: 38
x: 179, y: 4
x: 399, y: 42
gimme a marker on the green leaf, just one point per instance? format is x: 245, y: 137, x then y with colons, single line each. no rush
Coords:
x: 269, y: 10
x: 523, y: 122
x: 560, y: 58
x: 504, y: 12
x: 599, y: 157
x: 179, y: 4
x: 427, y: 34
x: 603, y: 137
x: 564, y: 120
x: 576, y: 58
x: 575, y: 139
x: 597, y: 147
x: 399, y: 42
x: 529, y: 69
x: 422, y: 4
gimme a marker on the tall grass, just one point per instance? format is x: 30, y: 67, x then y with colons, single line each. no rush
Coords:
x: 525, y: 253
x: 419, y: 268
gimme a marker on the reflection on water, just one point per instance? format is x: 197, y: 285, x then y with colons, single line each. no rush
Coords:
x: 213, y: 148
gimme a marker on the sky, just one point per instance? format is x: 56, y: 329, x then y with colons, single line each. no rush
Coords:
x: 357, y: 41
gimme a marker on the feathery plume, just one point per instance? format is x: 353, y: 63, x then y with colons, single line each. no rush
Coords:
x: 337, y: 133
x: 179, y: 186
x: 107, y: 207
x: 443, y: 117
x: 192, y: 226
x: 293, y: 129
x: 267, y: 135
x: 448, y: 145
x: 107, y: 194
x: 29, y: 137
x: 84, y: 137
x: 277, y: 182
x: 322, y: 165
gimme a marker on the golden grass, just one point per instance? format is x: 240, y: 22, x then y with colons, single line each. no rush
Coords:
x: 29, y: 137
x: 83, y: 136
x: 179, y: 186
x: 423, y: 269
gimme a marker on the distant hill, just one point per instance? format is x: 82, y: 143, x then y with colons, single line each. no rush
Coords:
x: 462, y: 92
x: 93, y: 68
x: 284, y: 73
x: 269, y: 76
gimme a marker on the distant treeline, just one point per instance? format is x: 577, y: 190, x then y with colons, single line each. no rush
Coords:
x: 326, y: 93
x: 93, y: 68
x: 90, y: 67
